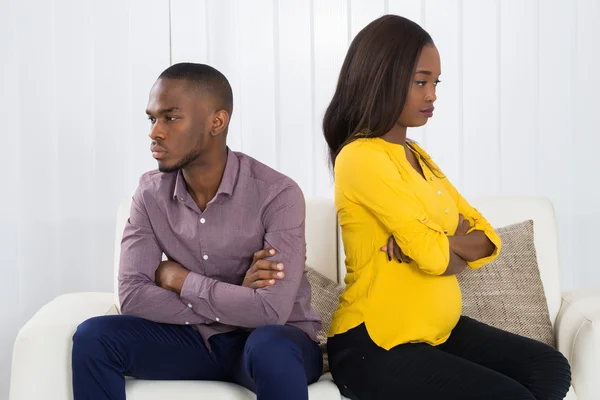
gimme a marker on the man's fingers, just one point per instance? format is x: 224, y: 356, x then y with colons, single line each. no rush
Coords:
x: 268, y: 265
x: 264, y: 253
x: 262, y: 283
x: 263, y: 274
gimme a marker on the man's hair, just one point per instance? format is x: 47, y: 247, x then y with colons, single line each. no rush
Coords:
x: 206, y: 79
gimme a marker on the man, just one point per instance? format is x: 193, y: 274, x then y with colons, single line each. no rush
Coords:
x: 218, y: 309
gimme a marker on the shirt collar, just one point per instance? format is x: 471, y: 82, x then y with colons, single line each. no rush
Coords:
x: 228, y: 182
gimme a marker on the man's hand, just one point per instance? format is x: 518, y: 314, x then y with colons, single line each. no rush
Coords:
x: 263, y: 273
x: 170, y: 275
x: 393, y: 249
x: 463, y: 226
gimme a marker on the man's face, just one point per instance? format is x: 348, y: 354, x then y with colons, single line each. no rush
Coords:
x: 181, y: 119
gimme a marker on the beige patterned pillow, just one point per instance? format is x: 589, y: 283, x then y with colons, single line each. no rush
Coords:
x: 324, y: 299
x: 507, y: 293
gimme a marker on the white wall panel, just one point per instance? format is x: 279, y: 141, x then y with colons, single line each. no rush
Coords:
x: 518, y: 118
x: 38, y: 159
x: 10, y: 200
x: 586, y: 142
x: 224, y: 53
x: 257, y: 80
x: 330, y: 43
x: 293, y: 102
x: 74, y: 136
x: 444, y: 130
x: 189, y: 31
x: 481, y: 98
x: 363, y: 12
x: 554, y: 174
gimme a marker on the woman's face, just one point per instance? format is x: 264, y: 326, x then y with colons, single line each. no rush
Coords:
x: 418, y: 107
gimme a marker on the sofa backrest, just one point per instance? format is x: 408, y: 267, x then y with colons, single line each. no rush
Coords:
x: 325, y: 251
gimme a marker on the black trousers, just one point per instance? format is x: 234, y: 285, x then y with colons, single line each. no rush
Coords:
x: 477, y: 362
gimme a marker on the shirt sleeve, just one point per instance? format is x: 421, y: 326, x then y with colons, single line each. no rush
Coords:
x: 140, y: 257
x: 478, y: 223
x: 240, y: 306
x: 367, y: 176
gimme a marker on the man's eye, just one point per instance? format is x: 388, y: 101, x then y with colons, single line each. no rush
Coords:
x: 170, y: 119
x: 151, y: 119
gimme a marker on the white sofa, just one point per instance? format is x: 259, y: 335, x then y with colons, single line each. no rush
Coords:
x: 41, y: 366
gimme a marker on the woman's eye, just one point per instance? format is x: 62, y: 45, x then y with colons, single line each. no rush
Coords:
x: 421, y: 83
x: 437, y: 82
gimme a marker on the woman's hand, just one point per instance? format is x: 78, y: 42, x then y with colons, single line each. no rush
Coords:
x: 393, y: 249
x: 463, y: 226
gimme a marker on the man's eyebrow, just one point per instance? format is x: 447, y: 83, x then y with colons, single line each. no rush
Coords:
x: 164, y: 110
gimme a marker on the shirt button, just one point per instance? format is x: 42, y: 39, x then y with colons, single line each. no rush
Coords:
x: 445, y: 230
x: 205, y: 257
x: 187, y: 322
x: 202, y: 220
x: 446, y: 211
x: 190, y: 305
x: 439, y: 192
x: 217, y: 319
x: 431, y: 178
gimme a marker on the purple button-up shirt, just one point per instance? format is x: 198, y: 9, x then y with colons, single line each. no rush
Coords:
x: 255, y: 207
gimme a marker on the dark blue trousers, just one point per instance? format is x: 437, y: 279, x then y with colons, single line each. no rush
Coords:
x: 274, y: 361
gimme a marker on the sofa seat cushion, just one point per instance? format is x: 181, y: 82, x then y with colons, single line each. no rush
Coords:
x: 136, y: 389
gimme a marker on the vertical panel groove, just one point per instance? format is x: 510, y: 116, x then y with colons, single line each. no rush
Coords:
x: 349, y: 5
x: 536, y: 94
x: 170, y: 36
x: 499, y: 82
x: 461, y: 109
x: 207, y: 30
x: 572, y: 70
x: 237, y: 73
x: 312, y: 92
x: 276, y: 94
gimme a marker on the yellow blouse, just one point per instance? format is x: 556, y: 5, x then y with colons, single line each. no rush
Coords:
x: 377, y: 194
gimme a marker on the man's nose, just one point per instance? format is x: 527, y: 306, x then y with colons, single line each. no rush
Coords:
x: 156, y: 131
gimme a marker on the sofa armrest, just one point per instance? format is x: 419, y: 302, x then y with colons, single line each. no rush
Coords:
x: 41, y: 364
x: 578, y: 338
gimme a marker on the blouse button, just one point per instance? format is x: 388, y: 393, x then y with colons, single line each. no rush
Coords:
x: 431, y: 178
x: 446, y: 211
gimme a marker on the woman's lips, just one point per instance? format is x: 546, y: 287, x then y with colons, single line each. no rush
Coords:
x: 428, y: 112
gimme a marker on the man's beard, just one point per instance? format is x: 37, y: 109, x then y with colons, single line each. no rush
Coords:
x: 184, y: 162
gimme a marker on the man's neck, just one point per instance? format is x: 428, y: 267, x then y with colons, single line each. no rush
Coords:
x: 203, y: 180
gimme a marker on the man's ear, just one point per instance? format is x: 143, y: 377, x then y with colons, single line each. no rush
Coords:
x: 219, y: 123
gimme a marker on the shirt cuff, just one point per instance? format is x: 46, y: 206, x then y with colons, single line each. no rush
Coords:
x: 494, y: 238
x: 191, y: 291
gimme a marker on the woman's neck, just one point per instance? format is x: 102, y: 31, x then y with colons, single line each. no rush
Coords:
x: 396, y: 135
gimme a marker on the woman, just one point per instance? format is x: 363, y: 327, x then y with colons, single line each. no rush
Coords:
x: 398, y: 332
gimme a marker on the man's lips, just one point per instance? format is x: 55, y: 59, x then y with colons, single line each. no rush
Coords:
x: 157, y: 152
